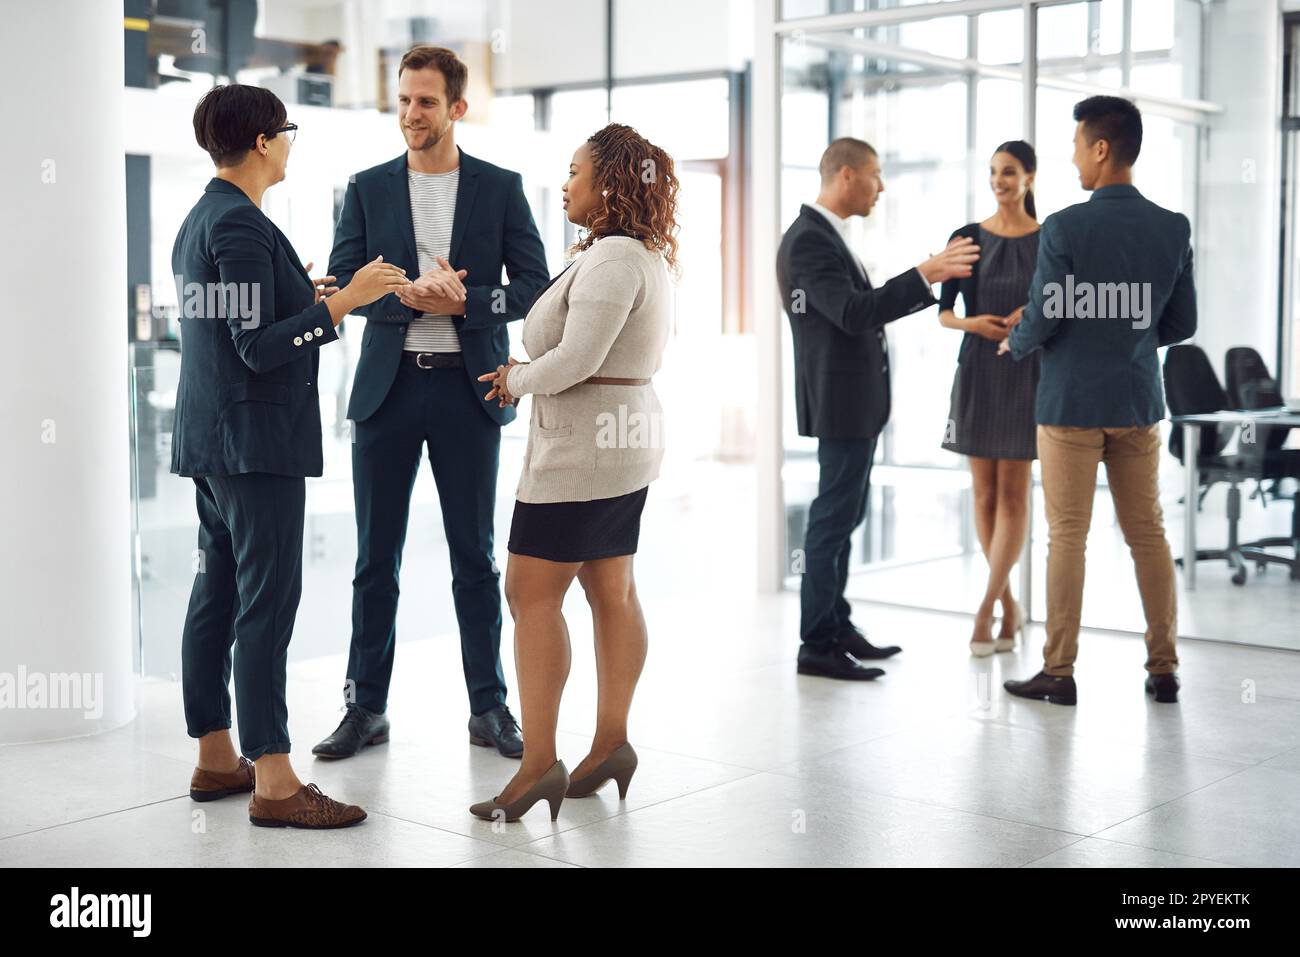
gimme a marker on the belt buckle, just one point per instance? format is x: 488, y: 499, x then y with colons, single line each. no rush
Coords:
x: 419, y: 356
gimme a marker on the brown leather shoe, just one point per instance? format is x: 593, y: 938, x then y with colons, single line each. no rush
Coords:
x: 210, y: 785
x: 309, y: 808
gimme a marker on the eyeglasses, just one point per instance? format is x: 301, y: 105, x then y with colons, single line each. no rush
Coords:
x: 290, y: 128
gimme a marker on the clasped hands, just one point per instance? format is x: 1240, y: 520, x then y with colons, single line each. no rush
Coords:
x: 438, y: 292
x: 498, y: 380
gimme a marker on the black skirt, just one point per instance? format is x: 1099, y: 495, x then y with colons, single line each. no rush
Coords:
x: 578, y: 531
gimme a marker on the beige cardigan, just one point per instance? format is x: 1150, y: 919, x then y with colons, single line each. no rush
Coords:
x: 607, y: 315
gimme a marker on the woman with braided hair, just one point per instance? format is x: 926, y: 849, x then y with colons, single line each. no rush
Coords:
x: 595, y: 335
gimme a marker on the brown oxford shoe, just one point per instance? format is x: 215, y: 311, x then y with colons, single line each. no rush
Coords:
x: 211, y: 785
x: 309, y: 808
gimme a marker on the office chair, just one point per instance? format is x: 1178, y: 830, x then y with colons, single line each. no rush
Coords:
x: 1192, y: 388
x: 1251, y: 387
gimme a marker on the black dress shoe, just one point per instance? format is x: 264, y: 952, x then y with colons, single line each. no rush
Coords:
x: 497, y: 729
x: 856, y: 644
x: 834, y: 662
x: 1044, y: 687
x: 358, y: 728
x: 1164, y: 687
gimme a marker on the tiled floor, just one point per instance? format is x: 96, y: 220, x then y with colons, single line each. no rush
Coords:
x: 743, y: 762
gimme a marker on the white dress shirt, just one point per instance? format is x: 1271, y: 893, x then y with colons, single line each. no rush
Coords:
x: 842, y: 227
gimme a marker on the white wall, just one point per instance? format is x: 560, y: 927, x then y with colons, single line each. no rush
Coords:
x: 563, y: 41
x: 65, y: 570
x: 1237, y: 241
x: 331, y: 145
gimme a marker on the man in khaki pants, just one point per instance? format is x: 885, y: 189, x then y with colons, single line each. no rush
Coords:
x: 1113, y: 283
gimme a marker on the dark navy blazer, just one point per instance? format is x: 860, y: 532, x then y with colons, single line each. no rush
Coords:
x: 250, y: 327
x: 492, y: 227
x: 837, y: 318
x: 1104, y: 372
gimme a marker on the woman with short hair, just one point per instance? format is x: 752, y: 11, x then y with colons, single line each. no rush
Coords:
x: 247, y: 431
x: 596, y: 335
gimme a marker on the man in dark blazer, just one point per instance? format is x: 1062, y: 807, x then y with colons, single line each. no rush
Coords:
x: 1113, y: 284
x: 841, y: 375
x: 456, y: 221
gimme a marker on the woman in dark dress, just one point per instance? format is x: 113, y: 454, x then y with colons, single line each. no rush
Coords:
x: 991, y: 417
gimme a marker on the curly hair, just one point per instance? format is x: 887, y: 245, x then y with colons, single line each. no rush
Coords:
x: 639, y: 185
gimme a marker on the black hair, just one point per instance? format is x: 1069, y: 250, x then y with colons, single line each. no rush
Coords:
x: 1023, y: 152
x: 1115, y: 120
x: 228, y: 119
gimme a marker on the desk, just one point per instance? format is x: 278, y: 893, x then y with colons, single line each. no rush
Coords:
x: 1192, y: 442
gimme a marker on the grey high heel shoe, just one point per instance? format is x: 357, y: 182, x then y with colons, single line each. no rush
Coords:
x: 618, y: 767
x: 551, y: 788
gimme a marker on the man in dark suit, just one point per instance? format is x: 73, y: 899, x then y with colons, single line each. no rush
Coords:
x: 841, y: 374
x: 1113, y: 283
x: 416, y: 386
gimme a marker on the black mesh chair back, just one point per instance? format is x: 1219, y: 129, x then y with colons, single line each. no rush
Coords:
x: 1192, y: 388
x: 1251, y: 387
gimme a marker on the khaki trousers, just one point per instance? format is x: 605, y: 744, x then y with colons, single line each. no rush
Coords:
x: 1069, y: 457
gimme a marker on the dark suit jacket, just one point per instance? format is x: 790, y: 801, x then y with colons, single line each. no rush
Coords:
x: 841, y: 361
x: 1104, y: 372
x: 492, y: 227
x: 250, y: 327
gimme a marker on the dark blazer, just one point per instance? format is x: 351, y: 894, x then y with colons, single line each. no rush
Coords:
x: 1104, y: 372
x: 837, y: 318
x: 492, y: 227
x: 250, y: 327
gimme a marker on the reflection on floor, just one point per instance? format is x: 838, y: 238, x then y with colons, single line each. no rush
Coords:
x: 743, y: 761
x: 703, y: 502
x: 1265, y: 611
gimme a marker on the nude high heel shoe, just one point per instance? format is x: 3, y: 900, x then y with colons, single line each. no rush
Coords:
x: 982, y: 649
x: 550, y: 788
x: 1009, y: 644
x: 618, y: 767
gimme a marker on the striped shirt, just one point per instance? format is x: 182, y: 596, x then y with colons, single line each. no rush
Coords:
x: 433, y: 208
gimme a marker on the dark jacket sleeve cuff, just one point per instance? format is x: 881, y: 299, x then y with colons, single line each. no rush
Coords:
x: 315, y: 328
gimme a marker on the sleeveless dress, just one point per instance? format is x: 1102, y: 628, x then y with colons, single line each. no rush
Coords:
x: 991, y: 409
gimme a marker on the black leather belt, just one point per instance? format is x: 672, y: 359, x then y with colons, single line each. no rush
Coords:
x: 434, y: 360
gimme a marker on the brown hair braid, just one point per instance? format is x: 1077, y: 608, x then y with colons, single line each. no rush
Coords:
x: 640, y: 191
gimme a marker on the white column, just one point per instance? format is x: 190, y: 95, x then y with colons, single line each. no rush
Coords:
x: 65, y: 585
x: 1239, y: 213
x: 769, y: 454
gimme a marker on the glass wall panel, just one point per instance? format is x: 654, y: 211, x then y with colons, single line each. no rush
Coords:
x: 795, y: 9
x: 935, y: 126
x: 536, y: 93
x: 916, y: 116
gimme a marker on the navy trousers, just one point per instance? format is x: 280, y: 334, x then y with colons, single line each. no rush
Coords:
x: 843, y: 483
x: 246, y: 589
x: 440, y: 409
